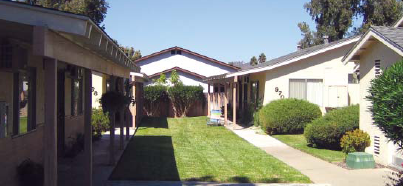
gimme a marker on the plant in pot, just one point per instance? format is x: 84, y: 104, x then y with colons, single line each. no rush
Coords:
x: 113, y: 101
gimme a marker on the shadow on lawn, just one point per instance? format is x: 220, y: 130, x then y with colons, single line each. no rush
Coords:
x: 235, y: 179
x: 154, y: 122
x: 148, y: 158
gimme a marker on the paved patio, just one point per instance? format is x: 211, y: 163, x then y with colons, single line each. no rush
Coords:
x: 317, y: 170
x: 71, y: 171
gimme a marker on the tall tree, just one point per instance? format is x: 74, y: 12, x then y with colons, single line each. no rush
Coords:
x: 253, y: 61
x: 262, y: 58
x: 94, y: 9
x: 334, y: 18
x: 131, y: 52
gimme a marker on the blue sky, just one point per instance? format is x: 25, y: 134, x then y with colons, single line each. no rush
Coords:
x: 228, y: 30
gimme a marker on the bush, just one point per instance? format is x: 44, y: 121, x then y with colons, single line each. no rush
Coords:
x: 30, y: 173
x: 355, y: 141
x: 326, y: 132
x: 154, y: 96
x: 387, y: 102
x: 287, y: 116
x: 100, y: 123
x: 183, y: 97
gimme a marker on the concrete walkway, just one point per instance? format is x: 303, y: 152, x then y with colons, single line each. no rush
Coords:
x: 317, y: 170
x: 71, y: 170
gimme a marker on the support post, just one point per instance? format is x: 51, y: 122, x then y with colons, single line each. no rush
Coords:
x: 213, y: 98
x: 121, y: 117
x: 88, y: 126
x: 234, y: 102
x: 208, y: 100
x: 128, y: 119
x: 50, y: 128
x: 112, y: 117
x: 225, y: 104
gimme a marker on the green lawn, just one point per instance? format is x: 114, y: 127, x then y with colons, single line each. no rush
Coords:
x: 188, y: 150
x: 299, y: 142
x: 23, y: 125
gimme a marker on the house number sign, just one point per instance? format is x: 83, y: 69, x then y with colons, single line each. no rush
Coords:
x: 280, y: 93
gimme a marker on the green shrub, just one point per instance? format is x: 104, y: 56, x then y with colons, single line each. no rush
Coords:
x: 100, y: 123
x: 30, y: 173
x: 326, y: 132
x: 183, y: 97
x: 387, y: 102
x: 287, y: 116
x: 154, y: 96
x: 256, y: 119
x: 355, y: 141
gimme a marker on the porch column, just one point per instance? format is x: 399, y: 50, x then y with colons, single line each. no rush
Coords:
x: 112, y: 117
x: 234, y: 102
x: 128, y: 121
x: 225, y: 104
x: 50, y: 128
x: 214, y: 97
x: 121, y: 116
x: 133, y: 108
x: 88, y: 126
x: 219, y: 97
x: 208, y: 100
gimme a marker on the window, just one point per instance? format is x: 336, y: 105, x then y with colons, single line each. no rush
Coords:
x: 173, y: 52
x: 254, y: 96
x: 24, y: 101
x: 77, y: 93
x: 307, y: 89
x: 378, y: 70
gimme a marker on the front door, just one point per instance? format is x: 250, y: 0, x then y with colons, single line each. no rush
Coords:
x: 60, y: 112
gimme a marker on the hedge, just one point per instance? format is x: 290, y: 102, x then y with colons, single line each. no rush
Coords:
x: 287, y: 116
x: 326, y: 132
x: 183, y: 97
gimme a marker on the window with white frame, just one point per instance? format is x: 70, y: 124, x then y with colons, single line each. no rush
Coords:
x: 307, y: 89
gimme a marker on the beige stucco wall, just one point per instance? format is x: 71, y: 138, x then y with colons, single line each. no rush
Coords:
x: 376, y: 51
x: 326, y: 66
x: 261, y: 77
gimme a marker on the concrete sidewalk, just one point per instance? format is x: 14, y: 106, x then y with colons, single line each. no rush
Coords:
x: 317, y: 170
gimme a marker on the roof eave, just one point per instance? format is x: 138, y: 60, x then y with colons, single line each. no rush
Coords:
x: 84, y: 29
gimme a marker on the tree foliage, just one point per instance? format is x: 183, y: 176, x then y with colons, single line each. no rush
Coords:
x: 132, y: 53
x: 175, y: 79
x: 94, y: 9
x: 387, y: 102
x: 334, y: 18
x: 262, y: 58
x: 253, y: 61
x: 162, y: 80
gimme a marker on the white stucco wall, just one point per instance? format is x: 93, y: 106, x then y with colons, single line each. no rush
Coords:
x: 185, y: 61
x: 326, y: 66
x: 97, y: 85
x: 376, y: 51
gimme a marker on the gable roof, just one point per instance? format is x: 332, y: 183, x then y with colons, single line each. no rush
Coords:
x: 295, y: 56
x: 189, y: 52
x: 392, y: 37
x: 178, y: 69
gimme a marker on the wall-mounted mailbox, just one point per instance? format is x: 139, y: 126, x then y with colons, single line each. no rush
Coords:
x: 3, y: 119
